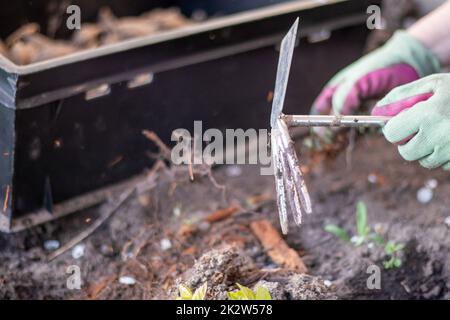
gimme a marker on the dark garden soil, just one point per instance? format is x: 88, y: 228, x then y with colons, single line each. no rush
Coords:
x: 191, y: 232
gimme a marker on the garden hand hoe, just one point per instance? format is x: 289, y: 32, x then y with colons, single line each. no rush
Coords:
x: 292, y: 194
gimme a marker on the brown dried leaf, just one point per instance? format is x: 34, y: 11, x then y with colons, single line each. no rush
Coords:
x: 276, y: 247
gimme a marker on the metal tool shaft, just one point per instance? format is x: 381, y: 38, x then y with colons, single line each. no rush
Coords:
x: 334, y: 121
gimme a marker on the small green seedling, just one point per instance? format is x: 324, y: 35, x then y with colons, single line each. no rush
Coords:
x: 245, y: 293
x: 362, y: 229
x: 338, y: 232
x: 392, y: 249
x: 365, y: 234
x: 185, y: 293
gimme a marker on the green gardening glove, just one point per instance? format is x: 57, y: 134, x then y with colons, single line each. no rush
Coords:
x: 401, y: 60
x: 421, y: 122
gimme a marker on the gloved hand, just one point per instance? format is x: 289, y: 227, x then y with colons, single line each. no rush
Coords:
x: 421, y: 122
x: 401, y: 60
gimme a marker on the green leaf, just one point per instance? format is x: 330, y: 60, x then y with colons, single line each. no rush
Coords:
x: 200, y: 293
x: 338, y: 232
x: 392, y: 247
x: 185, y: 292
x: 392, y: 263
x: 389, y: 248
x: 262, y: 294
x: 388, y: 264
x: 247, y: 292
x: 361, y: 220
x: 235, y: 295
x: 397, y: 263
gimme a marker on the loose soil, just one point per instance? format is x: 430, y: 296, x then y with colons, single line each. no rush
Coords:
x: 174, y: 234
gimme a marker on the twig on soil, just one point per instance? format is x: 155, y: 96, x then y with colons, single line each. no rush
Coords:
x: 5, y: 202
x: 108, y: 209
x: 163, y: 148
x: 191, y: 171
x: 150, y: 182
x: 276, y: 247
x: 137, y: 243
x: 95, y: 289
x: 202, y: 169
x: 221, y: 214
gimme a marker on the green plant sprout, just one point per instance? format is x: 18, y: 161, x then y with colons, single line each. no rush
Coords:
x: 245, y: 293
x: 362, y: 228
x: 338, y: 232
x: 185, y: 293
x: 392, y: 249
x: 365, y: 234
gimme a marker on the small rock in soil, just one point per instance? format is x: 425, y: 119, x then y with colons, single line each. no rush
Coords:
x: 424, y: 195
x: 355, y: 239
x: 51, y: 245
x: 78, y: 251
x: 165, y: 244
x: 372, y: 178
x: 233, y: 171
x: 306, y: 287
x: 177, y: 211
x: 127, y: 280
x: 447, y: 221
x: 431, y: 184
x: 327, y: 283
x: 275, y: 288
x: 221, y: 268
x: 224, y: 267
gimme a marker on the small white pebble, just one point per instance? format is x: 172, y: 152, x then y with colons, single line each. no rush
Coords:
x: 271, y: 266
x: 431, y: 184
x: 327, y: 283
x: 78, y: 251
x: 372, y: 178
x: 424, y: 195
x: 370, y: 245
x: 233, y: 171
x: 128, y: 280
x: 177, y: 211
x: 165, y: 244
x: 447, y: 221
x: 355, y: 239
x: 51, y: 245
